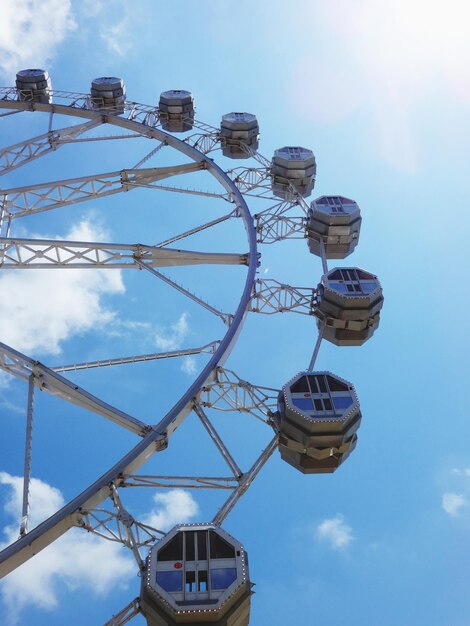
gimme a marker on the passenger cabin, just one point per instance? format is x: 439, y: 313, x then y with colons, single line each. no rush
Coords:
x: 237, y: 132
x: 176, y: 110
x: 349, y: 301
x: 196, y: 574
x: 318, y: 415
x: 108, y: 93
x: 293, y: 170
x: 335, y: 221
x: 34, y: 85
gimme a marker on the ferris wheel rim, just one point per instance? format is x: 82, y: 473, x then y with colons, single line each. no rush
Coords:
x: 35, y: 540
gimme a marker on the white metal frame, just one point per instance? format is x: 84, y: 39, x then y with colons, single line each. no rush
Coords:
x: 214, y: 387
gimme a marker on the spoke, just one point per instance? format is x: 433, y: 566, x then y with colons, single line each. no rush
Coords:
x: 209, y: 348
x: 21, y: 201
x: 102, y: 138
x: 225, y: 317
x: 214, y: 435
x: 5, y: 223
x: 317, y: 348
x: 323, y: 256
x: 192, y: 192
x: 26, y: 151
x: 197, y: 229
x: 27, y: 458
x: 179, y: 482
x: 9, y: 113
x: 245, y: 482
x: 45, y: 379
x: 150, y: 155
x: 53, y: 253
x: 127, y: 613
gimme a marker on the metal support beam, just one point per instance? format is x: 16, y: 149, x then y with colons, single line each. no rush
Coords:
x: 143, y: 119
x: 270, y: 296
x: 26, y: 151
x: 32, y: 199
x: 249, y: 178
x: 36, y: 254
x: 317, y: 347
x: 245, y: 482
x: 272, y: 228
x: 214, y: 435
x: 323, y: 256
x: 204, y: 142
x: 191, y: 191
x: 228, y: 392
x: 225, y: 317
x: 178, y: 482
x: 127, y: 521
x: 198, y: 229
x: 148, y: 156
x: 21, y: 366
x: 114, y: 526
x: 127, y: 613
x: 27, y: 457
x: 209, y: 348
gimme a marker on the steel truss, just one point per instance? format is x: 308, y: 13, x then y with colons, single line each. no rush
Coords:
x: 270, y: 296
x: 229, y: 392
x: 45, y: 379
x: 85, y: 510
x: 21, y: 201
x: 215, y: 388
x: 51, y: 253
x: 26, y: 151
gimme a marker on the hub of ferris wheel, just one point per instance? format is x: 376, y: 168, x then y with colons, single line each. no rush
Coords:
x: 198, y: 573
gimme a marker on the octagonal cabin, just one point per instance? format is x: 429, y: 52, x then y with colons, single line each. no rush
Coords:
x: 108, y: 93
x: 335, y: 220
x: 293, y: 167
x: 319, y: 416
x: 34, y: 85
x: 236, y: 131
x: 349, y: 301
x: 176, y: 110
x: 196, y: 574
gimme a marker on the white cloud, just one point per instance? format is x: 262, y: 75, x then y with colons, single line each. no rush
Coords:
x: 462, y: 472
x: 387, y: 59
x: 171, y: 339
x: 335, y: 532
x: 98, y: 566
x: 453, y: 502
x: 51, y: 305
x: 116, y: 37
x: 31, y: 31
x: 189, y: 365
x: 91, y: 8
x: 4, y: 380
x: 12, y: 407
x: 174, y: 507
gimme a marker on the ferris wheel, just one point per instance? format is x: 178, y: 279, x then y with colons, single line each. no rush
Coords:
x: 195, y: 573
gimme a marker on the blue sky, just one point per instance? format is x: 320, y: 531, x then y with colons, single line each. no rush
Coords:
x: 380, y: 92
